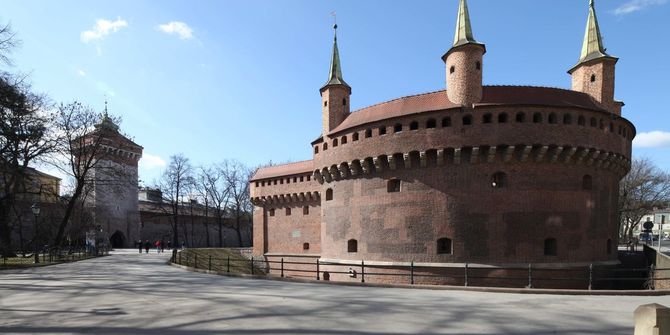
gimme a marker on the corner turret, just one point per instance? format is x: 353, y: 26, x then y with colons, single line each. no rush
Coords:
x: 335, y: 93
x: 594, y: 73
x: 464, y: 62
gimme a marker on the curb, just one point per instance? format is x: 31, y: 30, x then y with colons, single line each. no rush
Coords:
x: 434, y: 287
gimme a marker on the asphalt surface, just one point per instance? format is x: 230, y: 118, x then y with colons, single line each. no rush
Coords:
x: 129, y: 293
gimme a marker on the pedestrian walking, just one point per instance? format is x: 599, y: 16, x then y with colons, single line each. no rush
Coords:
x: 162, y: 246
x: 147, y: 245
x: 140, y: 245
x: 169, y: 245
x: 157, y: 244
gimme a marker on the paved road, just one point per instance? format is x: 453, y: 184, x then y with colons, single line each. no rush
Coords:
x: 128, y: 293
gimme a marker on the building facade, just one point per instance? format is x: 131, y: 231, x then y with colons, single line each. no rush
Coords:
x: 489, y: 175
x: 112, y: 193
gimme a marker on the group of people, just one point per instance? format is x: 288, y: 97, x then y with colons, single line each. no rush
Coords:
x: 158, y: 244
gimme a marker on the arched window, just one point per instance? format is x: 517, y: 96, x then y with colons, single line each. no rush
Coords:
x: 305, y: 246
x: 397, y: 128
x: 487, y: 118
x: 354, y: 137
x: 446, y: 122
x: 552, y: 118
x: 352, y: 245
x: 594, y: 122
x: 325, y: 146
x: 393, y: 185
x: 587, y: 182
x: 467, y: 120
x: 325, y: 103
x: 334, y: 143
x: 414, y: 125
x: 344, y: 140
x: 537, y: 118
x: 344, y: 101
x: 609, y: 246
x: 499, y: 180
x: 567, y: 118
x: 502, y: 118
x: 329, y: 194
x: 382, y: 130
x: 593, y: 78
x: 368, y: 133
x: 431, y: 123
x: 316, y: 149
x: 581, y: 120
x: 550, y: 247
x: 444, y: 246
x: 452, y: 69
x: 520, y: 117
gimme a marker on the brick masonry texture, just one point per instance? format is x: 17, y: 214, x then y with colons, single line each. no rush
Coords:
x: 500, y: 176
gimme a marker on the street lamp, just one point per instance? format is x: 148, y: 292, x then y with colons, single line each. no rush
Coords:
x: 36, y: 211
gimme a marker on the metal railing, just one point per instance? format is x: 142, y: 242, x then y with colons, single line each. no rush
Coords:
x: 53, y: 256
x: 589, y: 277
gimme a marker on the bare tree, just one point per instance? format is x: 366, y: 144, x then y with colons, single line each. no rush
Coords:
x: 236, y: 176
x: 643, y: 188
x: 175, y: 181
x: 8, y: 42
x: 25, y: 138
x: 84, y: 142
x: 218, y: 194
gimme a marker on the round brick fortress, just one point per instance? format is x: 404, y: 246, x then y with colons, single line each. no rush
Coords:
x: 497, y: 180
x: 500, y: 178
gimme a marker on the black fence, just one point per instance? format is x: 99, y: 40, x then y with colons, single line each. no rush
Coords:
x: 52, y: 256
x: 589, y: 277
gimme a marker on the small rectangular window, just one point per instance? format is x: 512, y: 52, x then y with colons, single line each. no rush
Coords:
x: 288, y: 211
x: 393, y: 185
x: 272, y: 212
x: 305, y: 210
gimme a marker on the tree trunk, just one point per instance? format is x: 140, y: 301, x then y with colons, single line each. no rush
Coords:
x: 68, y: 213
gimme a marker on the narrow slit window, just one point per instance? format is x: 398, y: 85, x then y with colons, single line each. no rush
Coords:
x: 550, y: 247
x: 305, y: 210
x: 352, y: 245
x: 444, y: 246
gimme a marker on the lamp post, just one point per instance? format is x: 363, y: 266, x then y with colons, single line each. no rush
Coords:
x: 36, y: 211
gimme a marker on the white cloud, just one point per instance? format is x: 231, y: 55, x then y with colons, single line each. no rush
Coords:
x: 652, y: 139
x: 151, y: 162
x: 176, y: 27
x: 102, y: 28
x: 81, y: 72
x: 636, y: 5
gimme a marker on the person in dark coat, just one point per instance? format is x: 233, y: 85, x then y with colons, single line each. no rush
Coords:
x: 147, y: 245
x: 140, y: 245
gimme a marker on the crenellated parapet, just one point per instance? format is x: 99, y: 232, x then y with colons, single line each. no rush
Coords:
x: 477, y: 155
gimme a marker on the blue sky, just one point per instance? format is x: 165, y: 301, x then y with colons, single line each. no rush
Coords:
x: 240, y: 79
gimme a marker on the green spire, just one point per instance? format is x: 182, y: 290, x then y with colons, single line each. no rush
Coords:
x: 593, y: 43
x: 463, y: 28
x: 335, y: 75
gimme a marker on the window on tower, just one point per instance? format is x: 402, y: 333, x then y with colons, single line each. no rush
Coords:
x: 452, y: 69
x: 478, y: 65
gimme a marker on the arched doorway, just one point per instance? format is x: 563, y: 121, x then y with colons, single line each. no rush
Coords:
x: 117, y: 240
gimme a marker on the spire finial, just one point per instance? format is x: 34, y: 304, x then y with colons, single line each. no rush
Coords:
x: 463, y: 33
x: 335, y: 75
x: 105, y: 105
x: 593, y: 43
